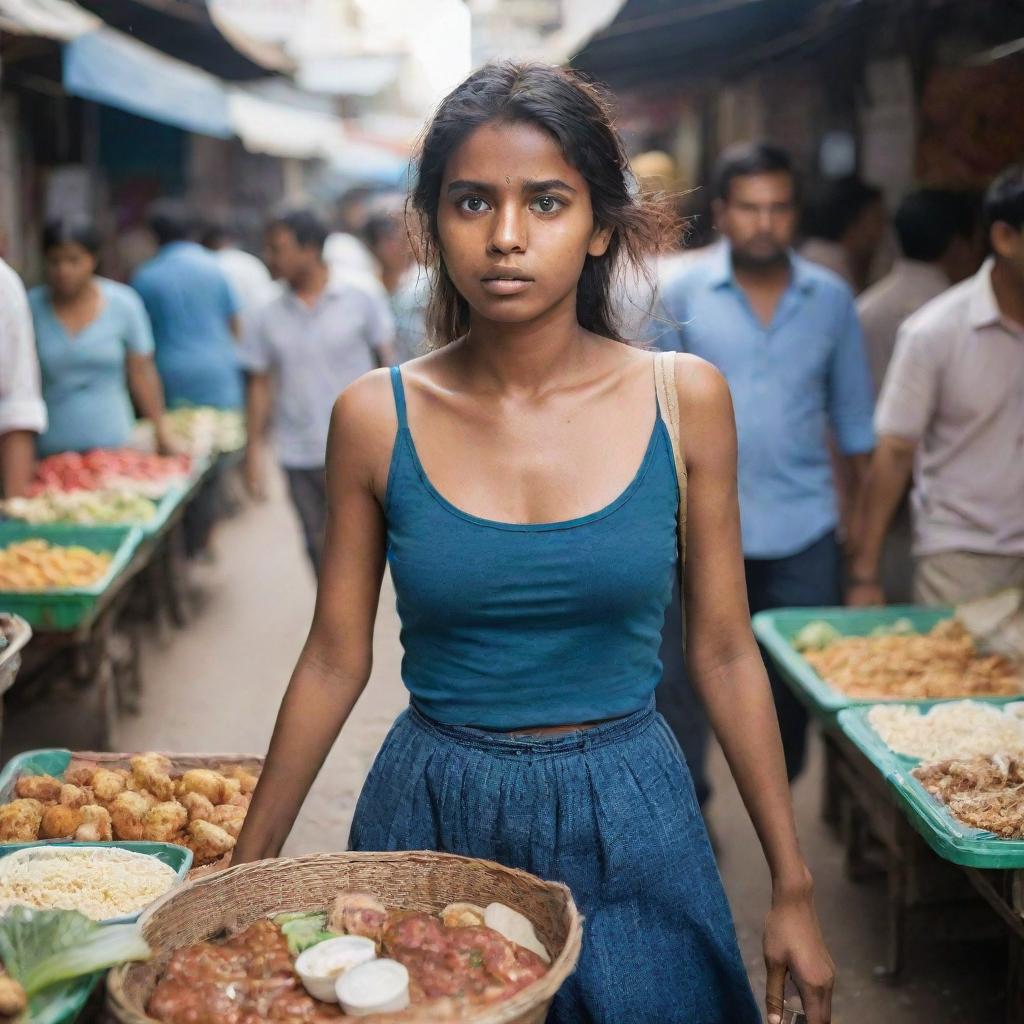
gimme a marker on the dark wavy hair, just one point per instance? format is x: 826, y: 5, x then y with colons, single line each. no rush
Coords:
x: 577, y: 115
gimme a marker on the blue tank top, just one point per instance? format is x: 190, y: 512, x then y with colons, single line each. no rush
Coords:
x: 508, y: 625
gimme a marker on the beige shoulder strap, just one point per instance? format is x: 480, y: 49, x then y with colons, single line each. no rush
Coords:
x: 668, y: 406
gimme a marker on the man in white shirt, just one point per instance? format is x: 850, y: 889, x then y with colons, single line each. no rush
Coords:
x: 301, y: 350
x: 952, y: 414
x: 22, y: 412
x: 938, y: 238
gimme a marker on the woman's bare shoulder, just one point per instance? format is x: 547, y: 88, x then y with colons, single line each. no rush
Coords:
x: 365, y: 419
x: 698, y: 383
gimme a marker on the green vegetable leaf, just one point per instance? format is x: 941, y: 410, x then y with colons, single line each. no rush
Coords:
x: 42, y: 947
x: 303, y: 930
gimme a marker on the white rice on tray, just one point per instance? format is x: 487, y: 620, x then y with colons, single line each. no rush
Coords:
x: 100, y: 882
x: 958, y: 729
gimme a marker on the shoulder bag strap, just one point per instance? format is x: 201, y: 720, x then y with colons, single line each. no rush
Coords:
x: 668, y: 407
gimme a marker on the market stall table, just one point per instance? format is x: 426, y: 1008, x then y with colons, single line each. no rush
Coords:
x: 860, y: 800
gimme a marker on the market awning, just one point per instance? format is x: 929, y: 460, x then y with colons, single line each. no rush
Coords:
x: 109, y: 67
x: 279, y: 130
x: 48, y: 19
x: 651, y: 40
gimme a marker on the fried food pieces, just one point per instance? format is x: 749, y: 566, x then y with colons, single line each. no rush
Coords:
x: 200, y: 808
x: 984, y: 792
x: 942, y: 663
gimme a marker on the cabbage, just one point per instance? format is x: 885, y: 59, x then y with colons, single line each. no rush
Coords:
x: 303, y: 930
x: 42, y: 947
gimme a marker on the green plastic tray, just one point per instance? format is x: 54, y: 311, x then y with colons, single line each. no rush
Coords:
x: 62, y: 1003
x: 49, y: 761
x: 949, y: 837
x: 178, y: 858
x: 777, y: 629
x: 66, y: 609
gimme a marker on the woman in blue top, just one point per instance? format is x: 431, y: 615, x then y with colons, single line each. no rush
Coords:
x: 533, y: 561
x: 95, y: 348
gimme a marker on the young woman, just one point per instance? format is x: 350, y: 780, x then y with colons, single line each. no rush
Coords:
x: 95, y: 348
x: 533, y: 560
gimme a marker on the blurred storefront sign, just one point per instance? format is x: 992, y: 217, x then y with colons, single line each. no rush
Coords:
x: 972, y: 123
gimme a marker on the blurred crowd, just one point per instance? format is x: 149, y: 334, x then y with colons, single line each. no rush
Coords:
x: 875, y: 359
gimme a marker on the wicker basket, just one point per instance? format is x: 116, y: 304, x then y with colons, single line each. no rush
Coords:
x: 234, y: 899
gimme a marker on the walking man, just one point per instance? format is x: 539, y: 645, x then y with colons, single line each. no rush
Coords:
x: 301, y: 350
x: 951, y: 416
x: 784, y: 332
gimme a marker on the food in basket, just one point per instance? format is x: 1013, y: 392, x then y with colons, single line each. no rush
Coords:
x: 320, y: 966
x: 942, y: 663
x: 110, y: 469
x: 986, y: 793
x: 87, y: 508
x: 39, y: 565
x: 960, y: 729
x: 380, y: 986
x: 100, y: 882
x: 412, y: 967
x: 149, y: 800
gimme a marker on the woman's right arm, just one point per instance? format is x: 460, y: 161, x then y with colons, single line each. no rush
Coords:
x: 335, y: 663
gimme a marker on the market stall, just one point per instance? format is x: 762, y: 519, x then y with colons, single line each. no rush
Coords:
x: 127, y: 508
x: 922, y: 715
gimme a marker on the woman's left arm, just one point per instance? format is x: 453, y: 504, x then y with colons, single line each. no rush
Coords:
x: 148, y: 393
x: 727, y: 671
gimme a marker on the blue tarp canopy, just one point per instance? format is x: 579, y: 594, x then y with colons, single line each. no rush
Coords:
x: 109, y: 67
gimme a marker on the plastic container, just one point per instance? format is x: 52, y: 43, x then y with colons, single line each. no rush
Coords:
x: 949, y: 837
x: 66, y: 609
x: 776, y: 630
x: 177, y: 858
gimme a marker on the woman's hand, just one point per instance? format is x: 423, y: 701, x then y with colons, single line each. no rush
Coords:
x: 793, y: 945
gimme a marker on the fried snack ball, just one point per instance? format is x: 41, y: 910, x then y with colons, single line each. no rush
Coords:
x: 246, y: 779
x: 228, y: 818
x: 60, y: 822
x: 20, y: 821
x: 198, y: 807
x: 165, y: 822
x: 13, y: 1000
x: 204, y: 782
x: 232, y: 788
x: 208, y: 842
x: 107, y: 784
x: 96, y: 826
x: 462, y: 915
x: 75, y: 796
x: 242, y: 800
x: 79, y: 774
x: 44, y: 788
x: 128, y: 816
x: 152, y: 772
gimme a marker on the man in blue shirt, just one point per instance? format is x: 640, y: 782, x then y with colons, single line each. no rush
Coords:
x: 193, y: 311
x: 785, y: 334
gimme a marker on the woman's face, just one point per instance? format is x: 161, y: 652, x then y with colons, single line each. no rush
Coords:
x: 69, y: 268
x: 515, y: 223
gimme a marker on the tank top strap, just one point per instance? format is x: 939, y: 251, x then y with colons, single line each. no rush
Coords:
x: 399, y: 389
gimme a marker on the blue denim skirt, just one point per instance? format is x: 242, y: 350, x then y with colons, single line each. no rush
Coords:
x: 610, y: 811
